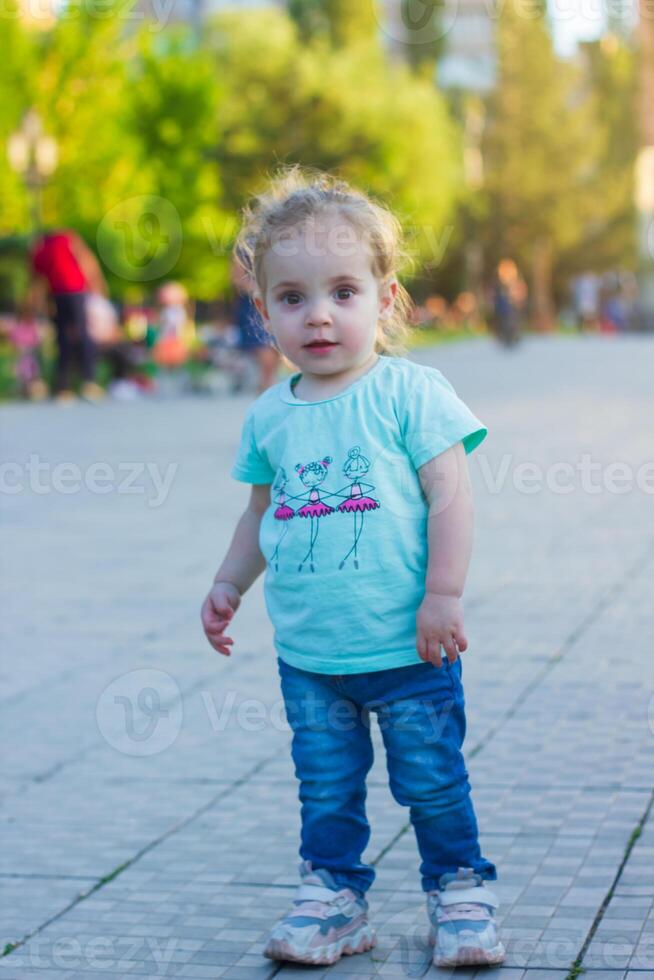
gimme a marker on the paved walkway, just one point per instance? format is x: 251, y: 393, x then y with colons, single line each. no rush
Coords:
x: 149, y: 819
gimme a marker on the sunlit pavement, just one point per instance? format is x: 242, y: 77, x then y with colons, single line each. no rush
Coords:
x: 150, y: 817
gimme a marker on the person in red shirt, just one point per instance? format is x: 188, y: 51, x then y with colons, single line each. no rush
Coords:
x: 62, y: 262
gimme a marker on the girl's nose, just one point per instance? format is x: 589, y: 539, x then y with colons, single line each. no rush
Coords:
x: 318, y: 314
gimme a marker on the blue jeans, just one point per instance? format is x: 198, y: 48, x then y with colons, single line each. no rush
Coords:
x: 421, y: 713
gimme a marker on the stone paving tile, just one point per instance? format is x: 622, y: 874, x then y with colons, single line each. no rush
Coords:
x: 551, y: 741
x: 224, y: 920
x: 25, y: 901
x: 211, y: 709
x: 625, y: 937
x: 94, y: 833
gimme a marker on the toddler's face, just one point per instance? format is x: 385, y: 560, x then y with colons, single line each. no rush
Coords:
x: 322, y: 300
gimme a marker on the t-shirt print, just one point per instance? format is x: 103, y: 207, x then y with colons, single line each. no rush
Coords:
x: 344, y: 538
x: 317, y: 501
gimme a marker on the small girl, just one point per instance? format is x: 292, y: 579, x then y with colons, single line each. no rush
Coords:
x: 361, y: 514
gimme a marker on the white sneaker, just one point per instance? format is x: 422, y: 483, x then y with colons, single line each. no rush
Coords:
x: 463, y: 929
x: 325, y: 922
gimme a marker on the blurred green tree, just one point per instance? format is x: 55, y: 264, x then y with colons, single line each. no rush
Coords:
x: 551, y: 197
x: 73, y: 75
x: 342, y: 21
x: 80, y: 88
x: 610, y: 83
x: 424, y: 36
x: 416, y: 35
x: 285, y: 100
x: 17, y: 70
x: 172, y: 119
x: 133, y: 115
x: 161, y: 139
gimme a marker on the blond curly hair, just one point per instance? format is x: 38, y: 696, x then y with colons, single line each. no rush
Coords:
x: 296, y: 195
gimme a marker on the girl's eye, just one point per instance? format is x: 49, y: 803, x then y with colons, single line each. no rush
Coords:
x: 292, y: 299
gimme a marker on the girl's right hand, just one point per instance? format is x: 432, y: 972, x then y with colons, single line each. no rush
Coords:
x: 217, y: 612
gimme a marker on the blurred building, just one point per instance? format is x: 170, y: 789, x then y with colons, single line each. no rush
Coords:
x: 469, y: 61
x: 463, y: 31
x: 622, y: 18
x: 192, y: 11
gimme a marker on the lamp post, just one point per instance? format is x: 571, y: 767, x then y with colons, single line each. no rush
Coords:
x: 34, y: 156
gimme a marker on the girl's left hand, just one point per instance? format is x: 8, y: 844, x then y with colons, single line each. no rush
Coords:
x: 439, y: 622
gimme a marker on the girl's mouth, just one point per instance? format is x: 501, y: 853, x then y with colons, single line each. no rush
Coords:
x: 320, y: 346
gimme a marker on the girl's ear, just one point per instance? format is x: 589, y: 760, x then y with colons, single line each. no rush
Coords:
x: 387, y: 297
x: 261, y: 306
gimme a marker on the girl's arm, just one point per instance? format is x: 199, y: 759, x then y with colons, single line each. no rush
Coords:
x: 446, y: 484
x: 244, y: 562
x: 240, y: 567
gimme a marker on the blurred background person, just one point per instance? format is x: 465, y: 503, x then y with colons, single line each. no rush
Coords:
x: 253, y: 340
x: 63, y: 265
x: 509, y: 300
x: 586, y: 299
x: 112, y: 347
x: 24, y: 333
x: 174, y: 336
x: 175, y: 328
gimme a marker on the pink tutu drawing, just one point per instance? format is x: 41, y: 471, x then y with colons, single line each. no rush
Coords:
x: 312, y: 475
x: 316, y: 507
x: 358, y: 501
x: 283, y: 512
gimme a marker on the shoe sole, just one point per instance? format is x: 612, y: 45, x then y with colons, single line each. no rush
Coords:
x: 473, y: 957
x: 362, y: 941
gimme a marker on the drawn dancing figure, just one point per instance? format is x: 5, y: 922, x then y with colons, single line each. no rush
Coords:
x: 282, y: 513
x: 312, y: 475
x: 354, y: 468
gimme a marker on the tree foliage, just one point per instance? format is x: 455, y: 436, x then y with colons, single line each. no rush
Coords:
x: 172, y: 116
x: 424, y: 39
x: 340, y: 21
x: 80, y: 88
x: 283, y: 100
x: 556, y: 188
x: 17, y: 60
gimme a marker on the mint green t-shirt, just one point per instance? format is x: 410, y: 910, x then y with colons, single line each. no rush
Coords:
x: 345, y: 536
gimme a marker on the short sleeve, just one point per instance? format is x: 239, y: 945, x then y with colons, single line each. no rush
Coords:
x: 251, y: 465
x: 435, y: 419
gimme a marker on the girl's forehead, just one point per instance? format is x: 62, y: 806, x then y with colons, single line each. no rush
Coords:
x: 326, y: 249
